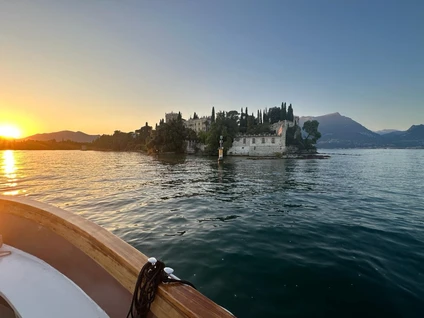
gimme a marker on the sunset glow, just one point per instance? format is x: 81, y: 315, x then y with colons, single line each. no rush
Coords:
x: 97, y: 67
x: 9, y: 131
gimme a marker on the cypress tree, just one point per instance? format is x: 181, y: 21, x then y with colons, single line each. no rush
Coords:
x: 213, y: 114
x: 242, y: 121
x: 284, y: 111
x: 266, y: 116
x: 290, y: 116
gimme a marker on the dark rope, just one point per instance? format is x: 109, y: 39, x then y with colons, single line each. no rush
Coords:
x: 181, y: 281
x: 146, y: 286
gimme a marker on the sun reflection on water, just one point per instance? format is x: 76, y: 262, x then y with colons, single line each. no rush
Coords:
x: 9, y: 168
x: 9, y: 164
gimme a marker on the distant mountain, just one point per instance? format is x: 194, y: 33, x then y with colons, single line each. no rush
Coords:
x: 63, y: 135
x: 386, y: 131
x: 412, y: 138
x: 343, y: 132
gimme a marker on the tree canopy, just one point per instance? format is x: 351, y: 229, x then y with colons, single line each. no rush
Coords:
x: 310, y: 127
x: 290, y: 116
x: 171, y: 137
x: 226, y: 125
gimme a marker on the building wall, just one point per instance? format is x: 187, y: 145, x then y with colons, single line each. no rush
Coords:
x: 281, y: 126
x: 197, y: 124
x: 257, y: 145
x: 171, y: 116
x: 262, y: 145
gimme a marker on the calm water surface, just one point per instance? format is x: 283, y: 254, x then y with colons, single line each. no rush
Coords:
x: 294, y: 238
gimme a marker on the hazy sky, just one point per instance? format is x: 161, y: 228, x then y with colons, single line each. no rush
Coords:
x: 101, y: 65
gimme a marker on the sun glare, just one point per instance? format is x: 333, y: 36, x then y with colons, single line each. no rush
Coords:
x: 9, y: 131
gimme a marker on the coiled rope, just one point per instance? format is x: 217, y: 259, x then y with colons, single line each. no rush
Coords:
x: 149, y: 278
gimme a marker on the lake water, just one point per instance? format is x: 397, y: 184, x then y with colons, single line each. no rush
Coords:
x: 295, y: 238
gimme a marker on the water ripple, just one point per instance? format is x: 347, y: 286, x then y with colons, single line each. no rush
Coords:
x: 337, y: 237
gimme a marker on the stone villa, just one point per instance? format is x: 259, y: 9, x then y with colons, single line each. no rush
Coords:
x: 263, y: 145
x: 198, y: 124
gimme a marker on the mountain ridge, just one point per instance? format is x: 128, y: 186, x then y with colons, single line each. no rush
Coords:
x: 77, y: 136
x: 340, y: 131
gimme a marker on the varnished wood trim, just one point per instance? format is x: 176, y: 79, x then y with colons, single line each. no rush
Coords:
x: 118, y: 258
x: 35, y: 239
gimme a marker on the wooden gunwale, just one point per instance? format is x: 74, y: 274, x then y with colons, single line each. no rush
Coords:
x: 118, y: 258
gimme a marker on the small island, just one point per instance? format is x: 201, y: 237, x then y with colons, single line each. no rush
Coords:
x: 272, y: 133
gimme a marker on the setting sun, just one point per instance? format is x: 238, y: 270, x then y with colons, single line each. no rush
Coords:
x: 9, y: 131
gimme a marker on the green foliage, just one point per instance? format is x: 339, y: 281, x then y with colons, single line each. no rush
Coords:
x: 294, y: 136
x: 142, y: 135
x: 250, y: 123
x: 202, y: 137
x: 104, y: 142
x: 274, y: 115
x: 233, y: 115
x: 171, y: 137
x: 290, y: 116
x: 312, y: 134
x: 168, y: 137
x: 283, y: 115
x: 119, y: 141
x: 259, y: 129
x: 265, y: 117
x: 226, y: 125
x: 213, y: 115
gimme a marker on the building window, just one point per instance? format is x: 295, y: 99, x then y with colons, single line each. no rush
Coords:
x: 273, y: 140
x: 237, y: 139
x: 263, y: 140
x: 244, y: 140
x: 253, y: 140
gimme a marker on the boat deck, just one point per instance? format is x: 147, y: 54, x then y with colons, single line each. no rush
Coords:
x: 35, y: 289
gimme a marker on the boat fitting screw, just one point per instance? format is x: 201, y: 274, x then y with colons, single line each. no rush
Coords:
x: 152, y: 260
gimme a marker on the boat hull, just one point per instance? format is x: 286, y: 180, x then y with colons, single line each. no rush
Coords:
x: 102, y: 265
